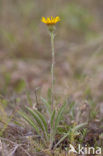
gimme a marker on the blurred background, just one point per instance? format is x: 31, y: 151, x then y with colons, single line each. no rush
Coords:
x: 25, y: 51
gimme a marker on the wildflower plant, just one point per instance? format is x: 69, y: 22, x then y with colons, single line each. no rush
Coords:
x: 51, y: 22
x: 47, y: 130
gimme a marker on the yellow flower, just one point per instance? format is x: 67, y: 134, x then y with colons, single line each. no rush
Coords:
x: 50, y: 20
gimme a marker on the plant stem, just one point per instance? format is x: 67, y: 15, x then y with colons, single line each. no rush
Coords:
x: 52, y: 70
x: 52, y: 85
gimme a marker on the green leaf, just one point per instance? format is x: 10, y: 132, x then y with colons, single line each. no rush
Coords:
x: 65, y: 135
x: 40, y: 121
x: 30, y: 121
x: 68, y: 133
x: 76, y: 128
x: 52, y: 119
x: 47, y: 105
x: 43, y: 120
x: 59, y: 115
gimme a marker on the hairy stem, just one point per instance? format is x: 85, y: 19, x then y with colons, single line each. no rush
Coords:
x: 52, y: 85
x: 52, y: 71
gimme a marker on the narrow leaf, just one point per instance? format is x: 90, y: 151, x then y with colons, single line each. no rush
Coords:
x: 52, y: 119
x: 29, y: 120
x: 39, y: 120
x: 59, y: 115
x: 76, y: 128
x: 47, y: 105
x: 65, y: 135
x: 43, y: 120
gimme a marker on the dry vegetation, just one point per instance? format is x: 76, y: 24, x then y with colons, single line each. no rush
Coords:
x: 25, y: 60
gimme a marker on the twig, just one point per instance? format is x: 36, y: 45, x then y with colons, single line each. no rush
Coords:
x: 14, y: 150
x: 17, y: 145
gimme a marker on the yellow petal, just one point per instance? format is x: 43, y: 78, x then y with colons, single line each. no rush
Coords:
x: 43, y: 20
x: 57, y: 18
x: 50, y: 20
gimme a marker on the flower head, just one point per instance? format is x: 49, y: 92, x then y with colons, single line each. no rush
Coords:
x: 50, y: 20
